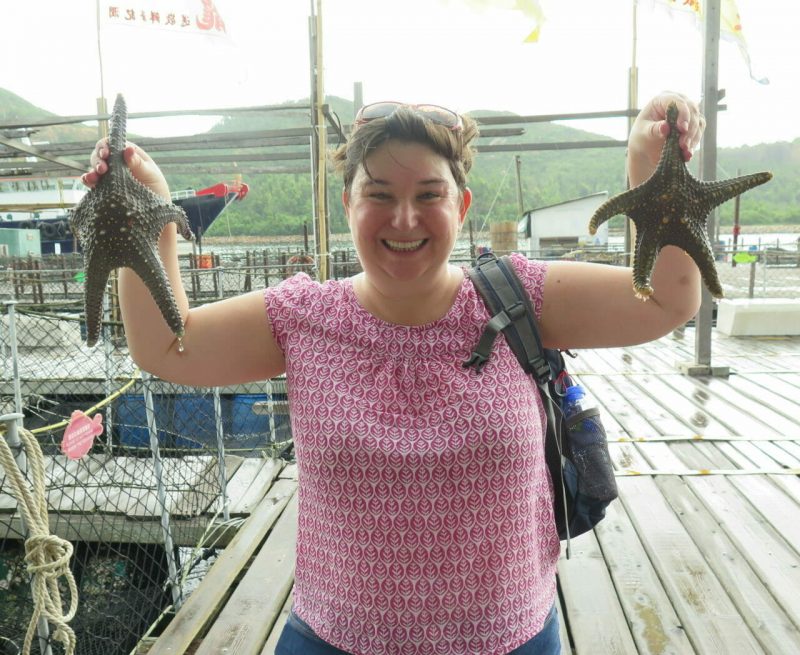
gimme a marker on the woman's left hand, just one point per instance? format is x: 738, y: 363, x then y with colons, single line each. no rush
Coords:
x: 650, y: 128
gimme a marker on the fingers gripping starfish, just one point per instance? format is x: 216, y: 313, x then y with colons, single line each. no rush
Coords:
x: 671, y: 208
x: 118, y: 224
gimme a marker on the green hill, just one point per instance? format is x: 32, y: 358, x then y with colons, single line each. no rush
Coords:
x: 281, y: 203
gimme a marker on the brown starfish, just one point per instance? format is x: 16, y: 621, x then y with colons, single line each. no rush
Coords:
x: 671, y: 208
x: 118, y: 224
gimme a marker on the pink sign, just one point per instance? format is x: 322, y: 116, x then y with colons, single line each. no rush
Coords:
x: 80, y: 433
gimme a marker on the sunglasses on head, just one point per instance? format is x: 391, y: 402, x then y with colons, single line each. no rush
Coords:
x: 434, y: 113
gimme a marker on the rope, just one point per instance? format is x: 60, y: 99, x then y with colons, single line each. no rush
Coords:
x: 105, y: 401
x: 46, y: 555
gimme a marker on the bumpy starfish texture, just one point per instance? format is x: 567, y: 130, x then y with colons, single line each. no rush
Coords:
x: 671, y: 208
x: 118, y: 224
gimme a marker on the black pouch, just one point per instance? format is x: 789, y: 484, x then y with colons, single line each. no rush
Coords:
x: 587, y: 470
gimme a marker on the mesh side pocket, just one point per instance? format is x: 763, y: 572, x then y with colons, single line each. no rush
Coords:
x: 589, y: 454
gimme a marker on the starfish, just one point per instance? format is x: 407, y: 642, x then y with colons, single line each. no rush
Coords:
x: 118, y: 224
x: 671, y: 208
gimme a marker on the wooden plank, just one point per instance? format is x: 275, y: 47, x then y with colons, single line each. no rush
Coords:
x: 70, y: 495
x: 653, y: 623
x: 713, y: 399
x: 596, y: 619
x: 243, y: 625
x: 243, y: 479
x: 761, y: 612
x: 587, y: 362
x: 289, y: 472
x: 762, y: 409
x: 563, y: 632
x: 202, y: 604
x: 255, y: 492
x: 277, y: 628
x: 616, y: 413
x: 762, y: 494
x: 770, y: 390
x: 208, y: 491
x: 179, y: 476
x: 702, y: 604
x: 774, y: 560
x: 686, y: 406
x: 133, y: 480
x: 653, y: 415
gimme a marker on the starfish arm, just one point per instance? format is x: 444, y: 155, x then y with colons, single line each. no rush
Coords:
x: 169, y: 213
x: 644, y: 259
x: 694, y: 241
x: 94, y: 288
x: 619, y: 204
x: 149, y: 268
x: 710, y: 194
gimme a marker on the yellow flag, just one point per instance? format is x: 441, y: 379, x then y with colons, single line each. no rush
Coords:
x: 530, y: 8
x: 730, y: 24
x: 533, y: 10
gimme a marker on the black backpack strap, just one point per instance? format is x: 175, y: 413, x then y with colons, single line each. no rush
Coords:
x: 504, y: 294
x: 512, y: 313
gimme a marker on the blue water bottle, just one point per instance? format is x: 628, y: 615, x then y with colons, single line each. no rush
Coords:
x: 576, y: 400
x: 586, y: 441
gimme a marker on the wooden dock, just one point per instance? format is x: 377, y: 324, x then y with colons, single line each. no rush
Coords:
x: 700, y: 554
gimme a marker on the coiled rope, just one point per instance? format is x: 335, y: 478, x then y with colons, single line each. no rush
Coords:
x: 47, y: 556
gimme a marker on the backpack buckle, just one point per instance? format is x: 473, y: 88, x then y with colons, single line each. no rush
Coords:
x: 476, y: 360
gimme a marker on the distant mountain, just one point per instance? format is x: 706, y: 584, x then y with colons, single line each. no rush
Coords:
x: 281, y: 203
x: 14, y: 109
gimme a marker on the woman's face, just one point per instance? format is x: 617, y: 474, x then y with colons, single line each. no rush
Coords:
x: 405, y: 216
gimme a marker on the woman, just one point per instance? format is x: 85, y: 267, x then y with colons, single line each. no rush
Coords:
x: 425, y: 521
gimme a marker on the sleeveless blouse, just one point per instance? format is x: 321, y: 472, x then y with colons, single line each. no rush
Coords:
x: 425, y: 505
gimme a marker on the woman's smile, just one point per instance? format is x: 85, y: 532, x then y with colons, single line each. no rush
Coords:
x: 404, y: 246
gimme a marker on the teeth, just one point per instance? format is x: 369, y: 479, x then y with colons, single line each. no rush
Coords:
x: 404, y: 245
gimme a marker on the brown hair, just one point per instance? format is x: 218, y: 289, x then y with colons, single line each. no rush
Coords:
x: 407, y: 125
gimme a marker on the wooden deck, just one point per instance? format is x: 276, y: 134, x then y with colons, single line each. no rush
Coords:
x: 701, y: 554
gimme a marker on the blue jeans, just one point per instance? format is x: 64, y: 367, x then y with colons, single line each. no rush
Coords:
x: 298, y: 638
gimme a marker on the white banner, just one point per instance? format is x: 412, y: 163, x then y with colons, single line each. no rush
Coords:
x: 194, y: 17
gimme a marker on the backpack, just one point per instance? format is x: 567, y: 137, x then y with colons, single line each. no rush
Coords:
x: 576, y: 452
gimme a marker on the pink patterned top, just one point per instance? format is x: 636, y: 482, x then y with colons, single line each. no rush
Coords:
x: 425, y: 517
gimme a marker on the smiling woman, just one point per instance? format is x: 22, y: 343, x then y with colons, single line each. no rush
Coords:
x: 426, y: 513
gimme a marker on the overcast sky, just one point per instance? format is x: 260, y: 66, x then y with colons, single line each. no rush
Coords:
x: 448, y: 52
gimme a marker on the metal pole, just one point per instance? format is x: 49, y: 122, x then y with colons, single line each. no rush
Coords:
x: 322, y: 140
x: 12, y: 337
x: 520, y: 207
x: 270, y: 389
x: 13, y: 422
x: 633, y: 101
x: 708, y: 167
x: 358, y: 97
x: 223, y: 480
x: 161, y: 491
x: 108, y: 369
x: 736, y: 223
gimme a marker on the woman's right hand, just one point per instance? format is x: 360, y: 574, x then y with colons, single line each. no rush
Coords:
x: 141, y: 165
